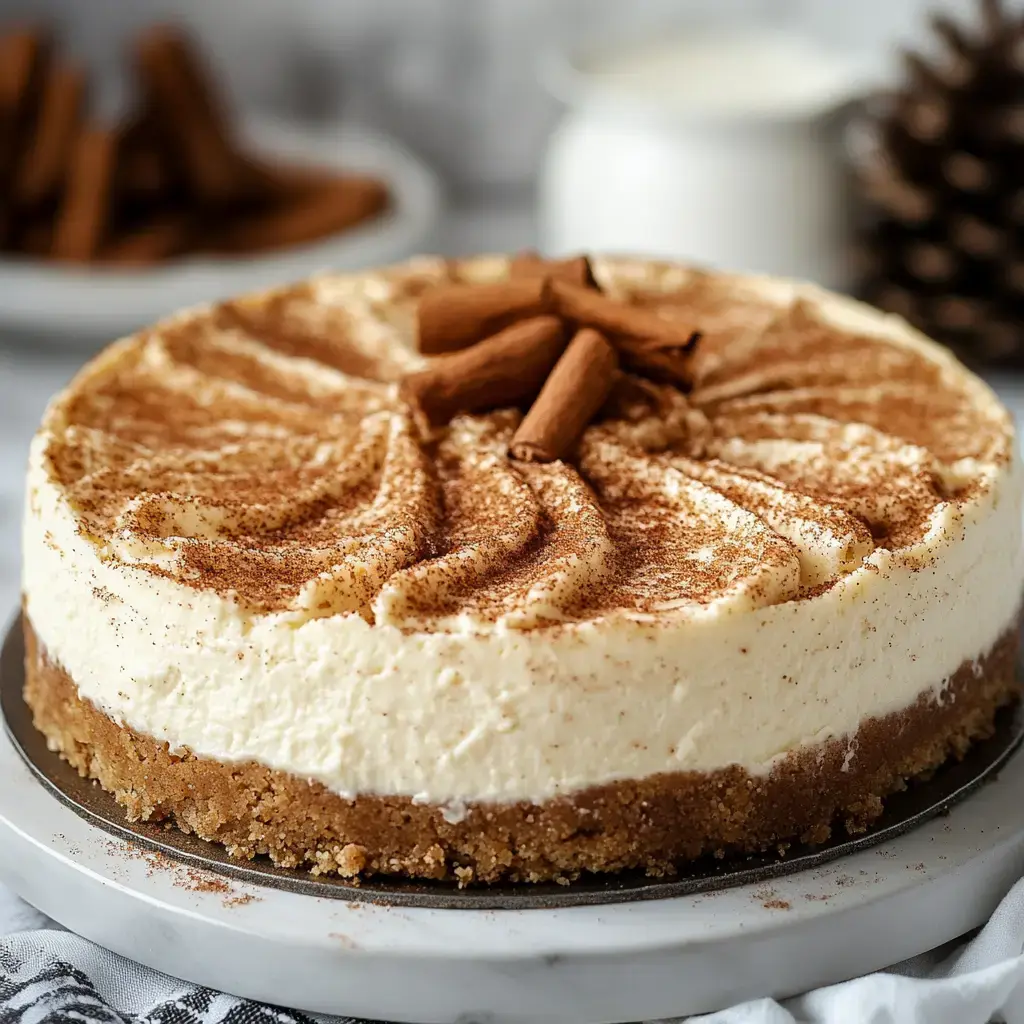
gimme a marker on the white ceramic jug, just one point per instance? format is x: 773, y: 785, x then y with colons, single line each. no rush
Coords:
x: 720, y: 148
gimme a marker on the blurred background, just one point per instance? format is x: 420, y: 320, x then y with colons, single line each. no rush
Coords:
x: 873, y: 146
x: 456, y: 79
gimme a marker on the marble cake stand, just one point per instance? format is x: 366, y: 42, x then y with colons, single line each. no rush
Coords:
x: 574, y: 964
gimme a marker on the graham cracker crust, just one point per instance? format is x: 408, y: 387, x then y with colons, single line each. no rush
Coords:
x: 656, y: 824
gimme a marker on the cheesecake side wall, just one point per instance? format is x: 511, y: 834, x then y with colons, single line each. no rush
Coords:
x: 657, y: 824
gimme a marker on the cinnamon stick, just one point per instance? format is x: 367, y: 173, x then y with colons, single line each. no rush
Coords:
x: 670, y: 364
x: 589, y: 308
x: 157, y: 238
x: 576, y: 270
x: 576, y: 388
x: 507, y: 369
x: 24, y: 56
x: 976, y: 237
x: 52, y: 137
x: 188, y: 108
x: 455, y: 316
x: 304, y: 217
x: 84, y: 215
x: 284, y: 181
x: 966, y: 172
x: 146, y: 174
x: 953, y: 35
x: 34, y: 238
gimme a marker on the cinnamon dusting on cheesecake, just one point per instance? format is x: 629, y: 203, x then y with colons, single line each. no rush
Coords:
x: 262, y: 449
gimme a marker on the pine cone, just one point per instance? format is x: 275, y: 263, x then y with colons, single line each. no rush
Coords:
x: 943, y: 187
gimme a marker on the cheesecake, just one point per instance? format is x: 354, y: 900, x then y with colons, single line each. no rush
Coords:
x: 455, y: 571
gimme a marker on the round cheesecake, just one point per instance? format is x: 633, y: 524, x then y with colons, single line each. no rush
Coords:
x: 264, y: 602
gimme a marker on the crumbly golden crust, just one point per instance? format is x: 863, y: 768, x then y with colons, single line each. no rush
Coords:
x: 655, y: 824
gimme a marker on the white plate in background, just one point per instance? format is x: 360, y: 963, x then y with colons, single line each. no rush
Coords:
x: 83, y: 306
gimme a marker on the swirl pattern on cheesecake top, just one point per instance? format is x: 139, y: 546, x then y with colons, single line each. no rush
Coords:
x: 261, y: 449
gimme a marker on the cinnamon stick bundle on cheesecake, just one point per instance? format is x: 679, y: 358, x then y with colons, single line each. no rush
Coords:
x: 501, y: 344
x: 667, y: 363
